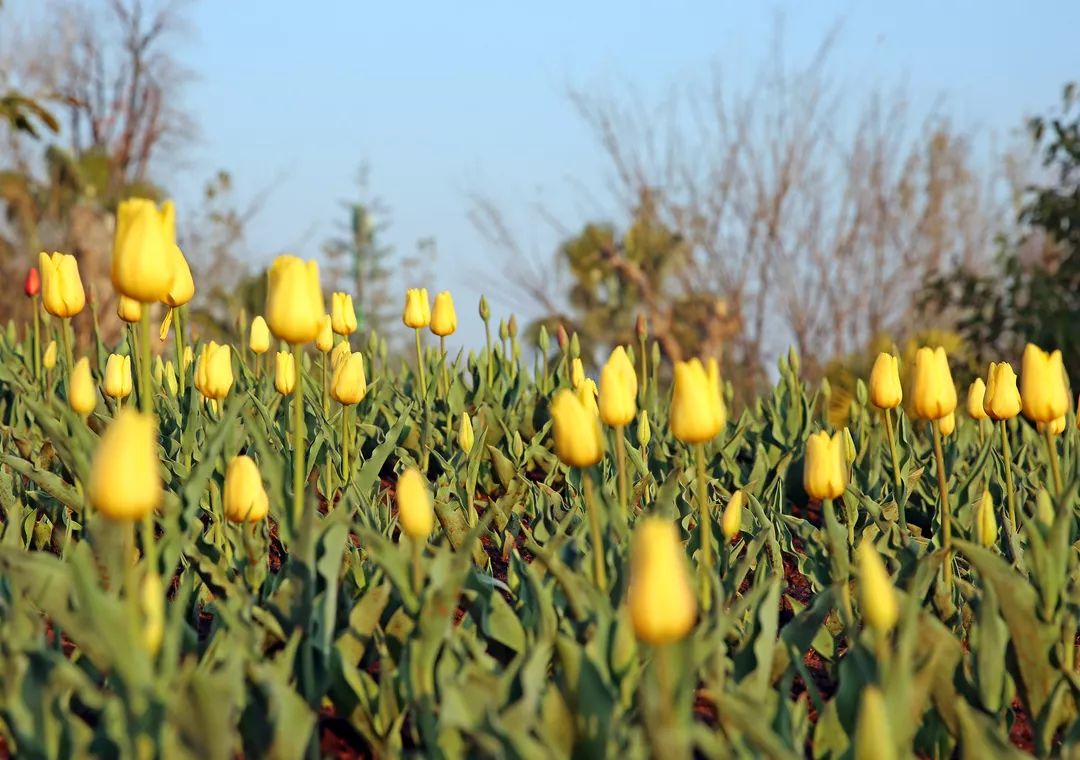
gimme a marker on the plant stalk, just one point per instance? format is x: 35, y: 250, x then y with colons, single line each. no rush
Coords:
x: 946, y: 510
x: 298, y: 438
x: 1006, y: 454
x: 705, y: 569
x: 599, y: 563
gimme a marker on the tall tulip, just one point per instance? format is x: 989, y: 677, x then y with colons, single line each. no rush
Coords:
x: 618, y: 405
x: 284, y: 373
x: 417, y: 315
x: 82, y: 394
x: 877, y: 596
x: 213, y: 372
x: 443, y: 323
x: 825, y: 468
x: 32, y: 289
x: 1001, y: 403
x: 415, y: 515
x: 1045, y: 396
x: 143, y: 263
x: 885, y: 389
x: 245, y: 497
x: 660, y: 597
x: 343, y: 315
x: 294, y: 301
x: 125, y: 483
x: 118, y: 377
x: 62, y: 294
x: 976, y: 400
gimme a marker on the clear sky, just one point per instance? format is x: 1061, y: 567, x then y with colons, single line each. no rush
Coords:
x: 441, y: 99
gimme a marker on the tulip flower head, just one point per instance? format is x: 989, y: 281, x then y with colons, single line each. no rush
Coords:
x: 873, y: 728
x: 259, y: 336
x: 62, y: 290
x: 49, y: 359
x: 576, y: 428
x: 213, y: 372
x: 825, y: 466
x: 577, y: 372
x: 466, y: 438
x: 947, y: 423
x: 618, y: 389
x: 1042, y: 385
x: 587, y: 393
x: 985, y: 521
x: 245, y: 497
x: 885, y: 389
x: 663, y: 608
x: 934, y: 394
x: 1056, y: 427
x: 443, y: 316
x: 415, y: 513
x: 342, y: 314
x: 324, y: 341
x: 976, y: 400
x: 877, y: 596
x: 341, y: 351
x: 143, y: 259
x: 32, y: 283
x: 294, y: 302
x: 128, y: 309
x: 1002, y: 398
x: 82, y: 393
x: 349, y: 383
x: 182, y: 288
x: 152, y: 608
x: 118, y: 376
x: 731, y: 521
x: 125, y: 483
x: 284, y: 372
x: 417, y: 312
x: 697, y: 408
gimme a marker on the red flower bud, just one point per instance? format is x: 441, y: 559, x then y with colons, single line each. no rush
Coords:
x: 32, y: 286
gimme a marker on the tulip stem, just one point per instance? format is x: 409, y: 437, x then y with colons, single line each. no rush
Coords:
x: 345, y: 444
x: 599, y: 563
x: 148, y: 540
x: 417, y: 573
x: 146, y: 400
x: 895, y: 463
x: 620, y: 460
x: 946, y: 510
x: 37, y: 340
x: 325, y: 386
x: 445, y: 368
x: 663, y: 732
x: 487, y: 339
x: 178, y: 344
x: 705, y: 520
x: 69, y: 357
x: 420, y: 366
x: 298, y: 438
x: 1006, y: 454
x: 1055, y: 465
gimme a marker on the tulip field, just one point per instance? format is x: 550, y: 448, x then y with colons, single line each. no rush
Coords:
x: 289, y: 542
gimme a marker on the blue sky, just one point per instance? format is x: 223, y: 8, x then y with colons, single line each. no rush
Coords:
x: 442, y: 99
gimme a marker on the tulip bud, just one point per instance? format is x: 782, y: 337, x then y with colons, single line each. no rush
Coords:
x: 152, y: 607
x: 259, y: 336
x: 575, y: 345
x: 824, y: 468
x: 49, y: 360
x: 284, y: 372
x: 877, y: 596
x: 143, y: 263
x: 128, y: 309
x: 885, y: 390
x: 417, y: 312
x: 1001, y: 401
x: 342, y: 314
x: 618, y: 389
x: 466, y: 439
x: 213, y: 373
x: 182, y: 287
x: 159, y: 370
x: 934, y: 392
x: 124, y: 480
x: 793, y: 360
x: 731, y: 521
x: 415, y: 513
x: 543, y: 341
x: 873, y: 728
x: 349, y: 383
x: 985, y: 521
x: 561, y: 338
x: 294, y: 300
x: 32, y: 283
x: 644, y: 432
x: 62, y: 290
x: 576, y: 428
x: 849, y: 447
x: 1042, y: 385
x: 169, y: 376
x: 512, y: 326
x: 976, y: 399
x: 663, y: 608
x: 324, y: 341
x: 947, y: 424
x: 82, y: 394
x: 118, y: 376
x: 245, y: 497
x: 697, y: 409
x: 443, y: 316
x: 577, y: 372
x: 504, y: 333
x: 188, y: 358
x: 641, y: 327
x: 485, y: 312
x: 1044, y: 507
x: 1056, y: 427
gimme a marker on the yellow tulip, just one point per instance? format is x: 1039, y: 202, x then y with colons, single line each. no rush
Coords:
x: 143, y: 263
x: 934, y: 392
x: 663, y: 608
x: 213, y: 373
x: 873, y: 728
x: 1056, y: 427
x: 245, y: 497
x: 342, y: 313
x: 341, y: 351
x: 417, y: 308
x: 618, y: 389
x: 1042, y: 385
x: 182, y: 287
x: 259, y: 337
x: 825, y: 467
x: 731, y: 521
x: 576, y: 429
x: 284, y: 372
x: 118, y: 376
x: 324, y: 341
x: 976, y: 400
x: 294, y: 300
x: 49, y: 359
x: 885, y: 389
x: 697, y: 409
x: 985, y: 521
x: 1002, y: 398
x: 124, y: 480
x: 947, y: 423
x: 82, y: 393
x: 587, y: 393
x: 877, y: 596
x: 62, y: 292
x: 466, y: 439
x: 644, y: 430
x: 128, y: 309
x: 152, y: 607
x: 169, y: 376
x: 415, y: 513
x: 577, y: 372
x: 349, y: 382
x: 443, y: 316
